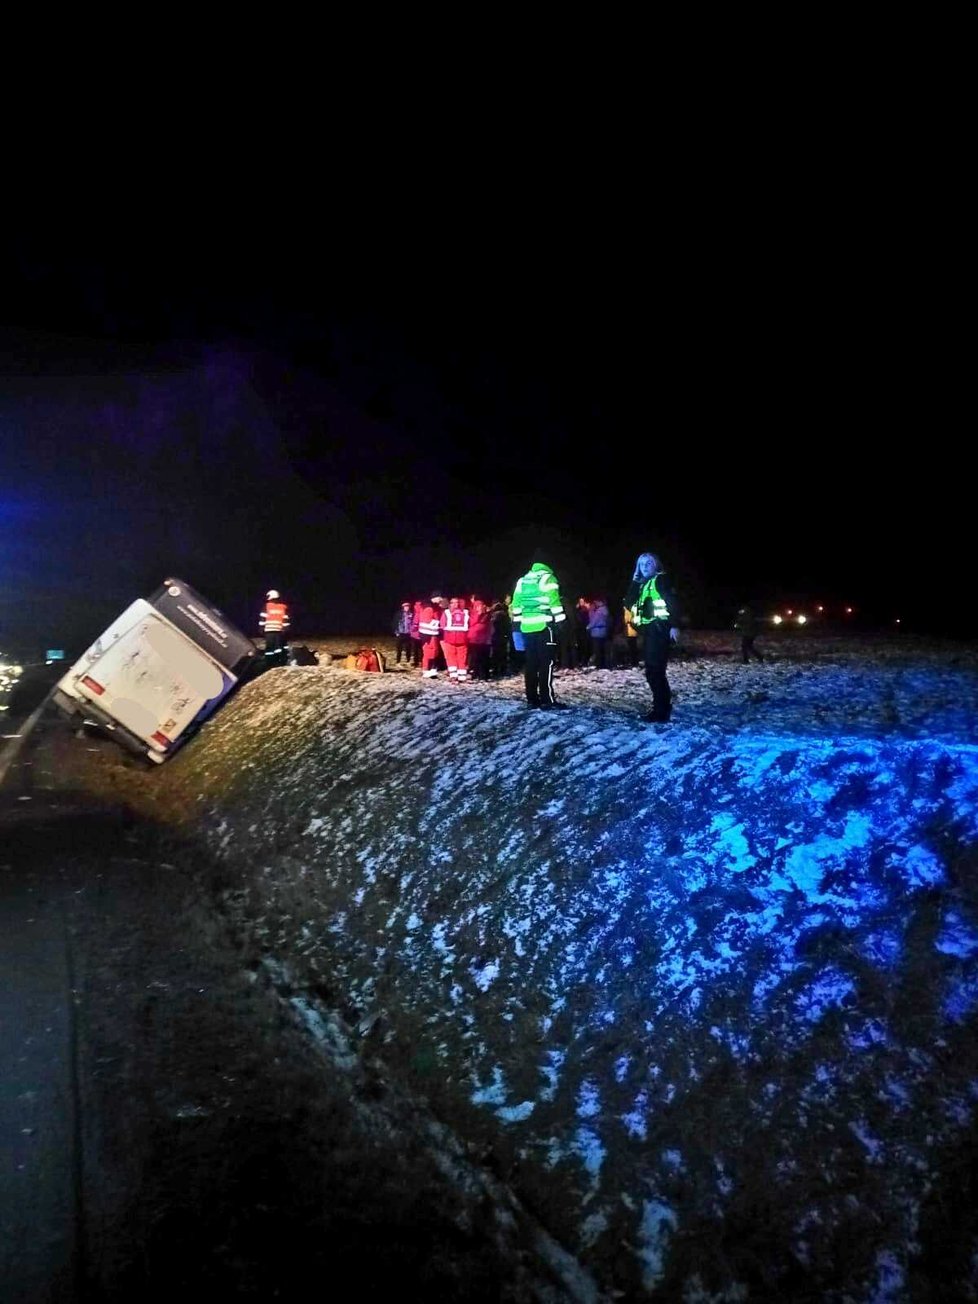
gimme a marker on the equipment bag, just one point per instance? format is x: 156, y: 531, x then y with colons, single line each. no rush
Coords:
x: 365, y: 658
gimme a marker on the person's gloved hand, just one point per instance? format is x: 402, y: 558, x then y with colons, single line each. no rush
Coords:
x: 674, y: 634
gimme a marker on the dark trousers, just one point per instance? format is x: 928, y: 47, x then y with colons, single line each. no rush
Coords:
x: 600, y: 646
x: 499, y: 658
x: 276, y: 648
x: 538, y: 668
x: 478, y: 660
x: 632, y: 646
x: 747, y: 648
x: 566, y: 646
x: 655, y: 648
x: 402, y: 643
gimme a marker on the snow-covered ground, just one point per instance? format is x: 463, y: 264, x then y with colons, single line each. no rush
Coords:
x: 706, y: 992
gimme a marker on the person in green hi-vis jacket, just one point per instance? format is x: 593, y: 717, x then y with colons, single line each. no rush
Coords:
x: 537, y: 609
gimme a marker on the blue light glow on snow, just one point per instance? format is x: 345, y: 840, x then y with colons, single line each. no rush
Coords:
x: 773, y: 928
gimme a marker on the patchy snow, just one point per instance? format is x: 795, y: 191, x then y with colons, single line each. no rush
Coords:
x: 711, y: 976
x: 655, y: 1231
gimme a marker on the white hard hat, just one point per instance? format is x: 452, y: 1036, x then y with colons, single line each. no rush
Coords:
x: 271, y: 594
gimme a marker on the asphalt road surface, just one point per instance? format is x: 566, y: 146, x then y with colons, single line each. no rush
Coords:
x: 166, y: 1124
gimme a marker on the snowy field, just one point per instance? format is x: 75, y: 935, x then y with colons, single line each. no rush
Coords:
x: 706, y: 994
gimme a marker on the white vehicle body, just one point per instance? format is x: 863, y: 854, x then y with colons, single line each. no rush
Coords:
x: 146, y: 680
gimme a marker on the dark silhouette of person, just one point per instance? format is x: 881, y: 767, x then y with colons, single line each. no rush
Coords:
x: 746, y: 626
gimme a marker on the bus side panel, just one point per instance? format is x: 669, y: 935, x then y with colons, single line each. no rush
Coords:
x: 204, y: 624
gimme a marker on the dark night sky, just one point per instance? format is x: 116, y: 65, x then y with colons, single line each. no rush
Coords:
x: 760, y: 391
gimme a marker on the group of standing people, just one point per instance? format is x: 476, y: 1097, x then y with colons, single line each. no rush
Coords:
x: 651, y: 609
x: 469, y: 639
x: 590, y: 633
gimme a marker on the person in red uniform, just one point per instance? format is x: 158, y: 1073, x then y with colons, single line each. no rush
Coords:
x: 455, y: 640
x: 429, y: 627
x: 416, y: 635
x: 274, y: 621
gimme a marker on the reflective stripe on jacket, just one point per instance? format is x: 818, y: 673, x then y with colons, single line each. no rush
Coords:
x: 429, y: 626
x: 650, y: 604
x: 455, y: 625
x: 274, y: 618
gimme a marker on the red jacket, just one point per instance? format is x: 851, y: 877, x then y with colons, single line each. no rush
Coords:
x: 480, y: 623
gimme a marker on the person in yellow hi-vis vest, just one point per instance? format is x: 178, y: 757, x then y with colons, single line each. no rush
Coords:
x: 652, y: 603
x: 631, y: 638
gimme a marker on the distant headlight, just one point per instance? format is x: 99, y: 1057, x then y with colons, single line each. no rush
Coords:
x: 802, y: 620
x: 775, y: 620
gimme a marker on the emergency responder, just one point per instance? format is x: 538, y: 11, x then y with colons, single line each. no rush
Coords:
x: 429, y: 627
x: 537, y: 608
x: 274, y: 621
x: 652, y: 603
x: 455, y: 640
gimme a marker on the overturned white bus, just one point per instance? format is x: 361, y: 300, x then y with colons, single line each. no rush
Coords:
x: 159, y: 671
